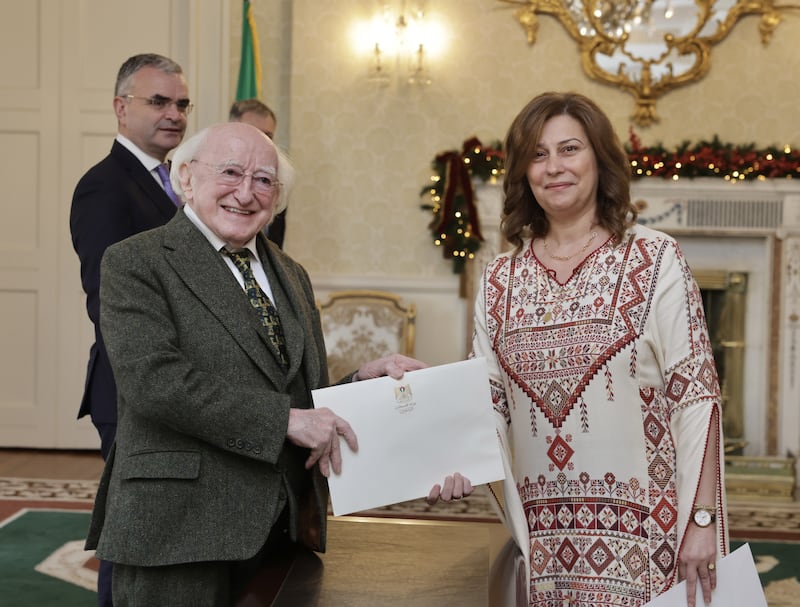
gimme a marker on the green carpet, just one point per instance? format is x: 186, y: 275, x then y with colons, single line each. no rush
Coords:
x: 778, y: 565
x: 27, y: 541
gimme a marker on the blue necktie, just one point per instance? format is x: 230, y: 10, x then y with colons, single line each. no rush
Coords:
x: 163, y: 174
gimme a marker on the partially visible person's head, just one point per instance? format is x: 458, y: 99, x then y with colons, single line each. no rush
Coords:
x: 253, y: 111
x: 151, y: 101
x: 224, y: 173
x: 522, y: 214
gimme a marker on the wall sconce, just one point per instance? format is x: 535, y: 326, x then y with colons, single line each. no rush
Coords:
x: 399, y: 40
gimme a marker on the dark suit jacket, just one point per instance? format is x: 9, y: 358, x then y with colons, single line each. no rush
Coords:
x: 198, y: 465
x: 115, y: 199
x: 277, y: 229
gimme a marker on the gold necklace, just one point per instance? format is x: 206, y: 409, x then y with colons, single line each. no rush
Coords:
x: 592, y: 236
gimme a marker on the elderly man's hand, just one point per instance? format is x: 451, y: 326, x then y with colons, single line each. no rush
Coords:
x: 394, y: 365
x: 319, y: 430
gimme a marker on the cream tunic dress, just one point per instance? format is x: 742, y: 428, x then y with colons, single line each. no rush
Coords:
x: 604, y: 391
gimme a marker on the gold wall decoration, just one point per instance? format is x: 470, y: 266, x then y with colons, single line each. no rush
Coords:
x: 648, y: 47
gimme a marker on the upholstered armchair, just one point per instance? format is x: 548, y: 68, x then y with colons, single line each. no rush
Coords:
x: 360, y: 326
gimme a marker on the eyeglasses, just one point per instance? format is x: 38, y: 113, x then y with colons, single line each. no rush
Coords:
x: 232, y: 175
x: 184, y: 106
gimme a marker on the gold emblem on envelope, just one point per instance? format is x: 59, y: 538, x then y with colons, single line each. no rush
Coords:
x: 402, y: 394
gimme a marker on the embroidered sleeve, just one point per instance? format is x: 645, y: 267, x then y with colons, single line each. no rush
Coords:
x: 689, y: 373
x: 484, y: 341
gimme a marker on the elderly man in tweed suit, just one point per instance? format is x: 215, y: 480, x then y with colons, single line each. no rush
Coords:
x: 220, y: 457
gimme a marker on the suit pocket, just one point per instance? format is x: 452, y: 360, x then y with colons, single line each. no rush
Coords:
x: 160, y: 464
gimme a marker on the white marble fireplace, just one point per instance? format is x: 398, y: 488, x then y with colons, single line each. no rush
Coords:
x: 752, y: 229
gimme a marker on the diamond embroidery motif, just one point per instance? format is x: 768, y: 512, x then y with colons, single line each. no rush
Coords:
x: 708, y: 376
x: 585, y: 517
x: 565, y: 517
x: 546, y: 518
x: 540, y: 557
x: 607, y: 517
x: 567, y: 555
x: 677, y: 387
x: 659, y: 472
x: 635, y: 561
x: 556, y: 401
x: 665, y: 515
x: 599, y: 556
x: 654, y: 429
x: 664, y: 557
x: 560, y: 452
x: 628, y: 521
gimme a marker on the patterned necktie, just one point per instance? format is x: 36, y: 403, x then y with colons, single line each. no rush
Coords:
x: 163, y: 174
x: 266, y: 311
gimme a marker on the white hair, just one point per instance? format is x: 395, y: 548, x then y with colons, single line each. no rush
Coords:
x: 191, y: 147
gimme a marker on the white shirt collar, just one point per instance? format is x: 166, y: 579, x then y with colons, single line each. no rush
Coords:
x: 215, y: 240
x: 148, y: 161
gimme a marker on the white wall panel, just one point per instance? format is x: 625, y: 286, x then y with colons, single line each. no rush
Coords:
x: 19, y: 174
x: 18, y: 326
x: 20, y: 47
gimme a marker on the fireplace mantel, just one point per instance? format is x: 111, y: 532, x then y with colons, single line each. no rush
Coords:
x: 719, y: 207
x: 750, y: 227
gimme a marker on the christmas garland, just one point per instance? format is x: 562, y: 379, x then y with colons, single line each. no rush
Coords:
x: 713, y: 159
x: 455, y: 226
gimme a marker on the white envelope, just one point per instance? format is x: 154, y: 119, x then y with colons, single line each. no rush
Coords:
x: 737, y: 584
x: 412, y: 433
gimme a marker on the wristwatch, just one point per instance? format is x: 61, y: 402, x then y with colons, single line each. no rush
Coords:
x: 703, y: 516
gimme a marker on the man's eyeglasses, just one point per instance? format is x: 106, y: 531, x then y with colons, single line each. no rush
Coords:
x: 184, y: 106
x: 232, y: 175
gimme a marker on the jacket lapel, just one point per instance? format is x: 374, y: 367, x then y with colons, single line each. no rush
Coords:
x: 210, y: 280
x: 291, y: 304
x: 150, y: 190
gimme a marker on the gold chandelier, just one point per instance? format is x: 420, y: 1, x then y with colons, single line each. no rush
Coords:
x: 648, y: 47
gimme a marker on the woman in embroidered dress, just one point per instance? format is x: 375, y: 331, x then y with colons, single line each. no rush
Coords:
x: 602, y: 376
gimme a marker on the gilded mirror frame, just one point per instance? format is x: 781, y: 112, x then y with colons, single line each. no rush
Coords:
x: 642, y: 81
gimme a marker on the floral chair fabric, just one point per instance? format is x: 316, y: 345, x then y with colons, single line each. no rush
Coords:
x: 360, y: 326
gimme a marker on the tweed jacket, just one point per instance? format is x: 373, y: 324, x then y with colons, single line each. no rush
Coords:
x: 196, y: 472
x: 115, y: 199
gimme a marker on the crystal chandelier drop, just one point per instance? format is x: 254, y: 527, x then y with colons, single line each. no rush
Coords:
x: 616, y: 18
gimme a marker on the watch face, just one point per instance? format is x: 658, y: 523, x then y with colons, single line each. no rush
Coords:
x: 702, y: 518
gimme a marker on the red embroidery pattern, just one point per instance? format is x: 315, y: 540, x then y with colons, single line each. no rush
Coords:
x: 527, y: 315
x: 595, y: 541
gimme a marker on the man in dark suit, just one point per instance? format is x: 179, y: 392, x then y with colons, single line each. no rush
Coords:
x: 216, y: 343
x: 257, y: 113
x: 123, y: 195
x: 120, y: 196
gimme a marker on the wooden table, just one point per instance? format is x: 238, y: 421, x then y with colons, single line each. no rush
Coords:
x: 376, y: 562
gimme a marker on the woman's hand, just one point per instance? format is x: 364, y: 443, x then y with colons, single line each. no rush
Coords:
x: 698, y: 562
x: 455, y: 487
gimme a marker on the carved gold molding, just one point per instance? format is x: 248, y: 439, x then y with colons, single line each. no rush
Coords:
x: 646, y: 78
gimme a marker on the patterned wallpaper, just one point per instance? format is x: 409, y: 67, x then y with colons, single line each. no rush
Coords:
x: 363, y: 152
